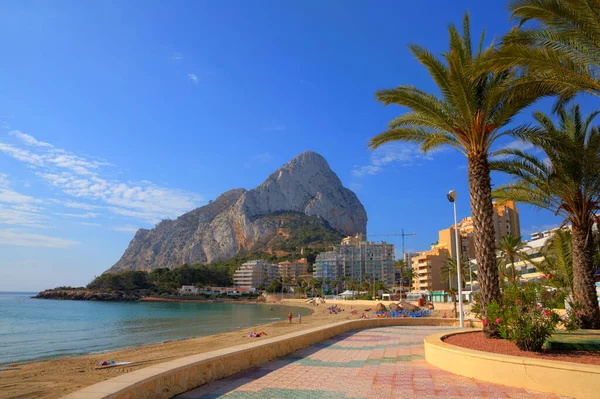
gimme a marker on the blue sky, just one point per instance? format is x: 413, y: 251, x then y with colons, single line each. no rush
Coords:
x: 114, y: 116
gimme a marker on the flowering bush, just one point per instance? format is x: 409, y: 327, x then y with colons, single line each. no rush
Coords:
x: 525, y: 315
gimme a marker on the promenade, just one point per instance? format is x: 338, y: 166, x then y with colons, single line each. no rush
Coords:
x: 379, y: 363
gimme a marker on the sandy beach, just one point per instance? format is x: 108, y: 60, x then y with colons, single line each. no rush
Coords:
x: 55, y: 378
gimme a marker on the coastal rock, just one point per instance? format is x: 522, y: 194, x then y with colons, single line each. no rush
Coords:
x: 240, y: 221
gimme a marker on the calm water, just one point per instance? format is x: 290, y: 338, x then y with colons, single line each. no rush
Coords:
x: 32, y: 329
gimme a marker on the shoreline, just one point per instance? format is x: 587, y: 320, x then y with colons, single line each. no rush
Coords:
x: 53, y: 378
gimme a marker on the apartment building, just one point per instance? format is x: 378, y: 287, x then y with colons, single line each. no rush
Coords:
x: 297, y: 271
x: 354, y: 258
x: 427, y: 265
x: 427, y: 269
x: 255, y: 273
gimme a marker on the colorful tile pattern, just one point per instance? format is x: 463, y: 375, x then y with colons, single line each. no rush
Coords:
x: 380, y: 363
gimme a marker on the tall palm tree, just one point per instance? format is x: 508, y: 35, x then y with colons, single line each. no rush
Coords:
x: 566, y: 183
x: 510, y: 249
x: 558, y: 260
x: 469, y: 115
x: 562, y: 52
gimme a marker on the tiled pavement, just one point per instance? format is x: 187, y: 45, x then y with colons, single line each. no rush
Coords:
x: 380, y: 363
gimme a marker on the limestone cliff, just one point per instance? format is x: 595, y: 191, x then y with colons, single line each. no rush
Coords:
x: 240, y: 220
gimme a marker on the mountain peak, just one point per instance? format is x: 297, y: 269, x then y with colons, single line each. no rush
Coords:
x: 238, y: 220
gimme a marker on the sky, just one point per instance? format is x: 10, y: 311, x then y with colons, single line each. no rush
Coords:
x: 115, y: 115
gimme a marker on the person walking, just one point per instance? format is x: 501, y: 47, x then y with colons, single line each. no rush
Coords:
x: 290, y: 317
x: 299, y: 318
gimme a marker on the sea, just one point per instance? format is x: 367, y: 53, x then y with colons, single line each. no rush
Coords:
x: 41, y: 329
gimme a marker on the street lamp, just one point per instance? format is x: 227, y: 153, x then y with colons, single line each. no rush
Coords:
x: 452, y: 198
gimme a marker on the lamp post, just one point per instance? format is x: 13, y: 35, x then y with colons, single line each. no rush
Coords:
x: 452, y: 198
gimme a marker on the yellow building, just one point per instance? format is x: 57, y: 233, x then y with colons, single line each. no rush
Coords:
x: 297, y: 271
x: 506, y: 220
x: 427, y: 269
x: 427, y: 265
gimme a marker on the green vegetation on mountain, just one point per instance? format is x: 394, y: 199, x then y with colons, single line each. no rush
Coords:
x: 297, y: 231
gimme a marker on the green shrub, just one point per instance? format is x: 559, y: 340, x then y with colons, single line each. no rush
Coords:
x: 526, y: 317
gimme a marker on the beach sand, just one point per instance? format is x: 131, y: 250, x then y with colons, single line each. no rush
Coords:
x: 55, y: 378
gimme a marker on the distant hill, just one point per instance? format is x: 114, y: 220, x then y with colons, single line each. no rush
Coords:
x: 301, y: 205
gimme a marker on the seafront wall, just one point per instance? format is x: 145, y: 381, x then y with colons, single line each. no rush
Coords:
x: 168, y: 379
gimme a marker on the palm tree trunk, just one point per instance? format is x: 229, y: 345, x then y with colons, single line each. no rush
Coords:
x: 584, y: 291
x: 484, y: 237
x: 514, y: 271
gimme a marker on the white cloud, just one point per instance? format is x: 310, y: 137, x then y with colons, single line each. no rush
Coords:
x: 81, y: 178
x: 4, y: 182
x: 177, y: 56
x: 126, y: 229
x: 18, y: 209
x: 519, y: 145
x: 90, y: 224
x: 402, y: 154
x: 10, y: 237
x: 87, y: 215
x: 21, y: 215
x: 29, y: 140
x: 194, y: 78
x: 80, y: 205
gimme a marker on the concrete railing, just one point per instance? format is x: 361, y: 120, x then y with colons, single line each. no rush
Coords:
x: 560, y: 378
x: 168, y: 379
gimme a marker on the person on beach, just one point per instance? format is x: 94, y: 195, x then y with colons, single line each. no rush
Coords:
x: 299, y: 318
x: 290, y: 317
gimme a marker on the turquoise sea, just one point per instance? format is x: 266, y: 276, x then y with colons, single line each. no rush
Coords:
x: 37, y: 329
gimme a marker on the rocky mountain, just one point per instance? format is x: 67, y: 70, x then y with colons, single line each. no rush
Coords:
x: 241, y: 221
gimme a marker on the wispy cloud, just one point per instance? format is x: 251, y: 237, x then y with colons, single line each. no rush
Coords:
x: 80, y: 205
x: 194, y: 78
x: 18, y: 209
x: 519, y: 145
x: 177, y: 56
x: 126, y: 229
x: 81, y: 178
x: 29, y: 140
x: 87, y: 215
x: 400, y: 154
x: 92, y: 224
x: 10, y: 237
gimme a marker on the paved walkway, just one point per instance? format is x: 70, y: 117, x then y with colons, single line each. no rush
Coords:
x: 380, y: 363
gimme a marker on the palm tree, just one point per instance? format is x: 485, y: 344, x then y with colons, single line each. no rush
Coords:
x: 558, y: 260
x: 561, y: 53
x: 566, y: 183
x: 511, y: 248
x: 327, y: 284
x: 469, y: 116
